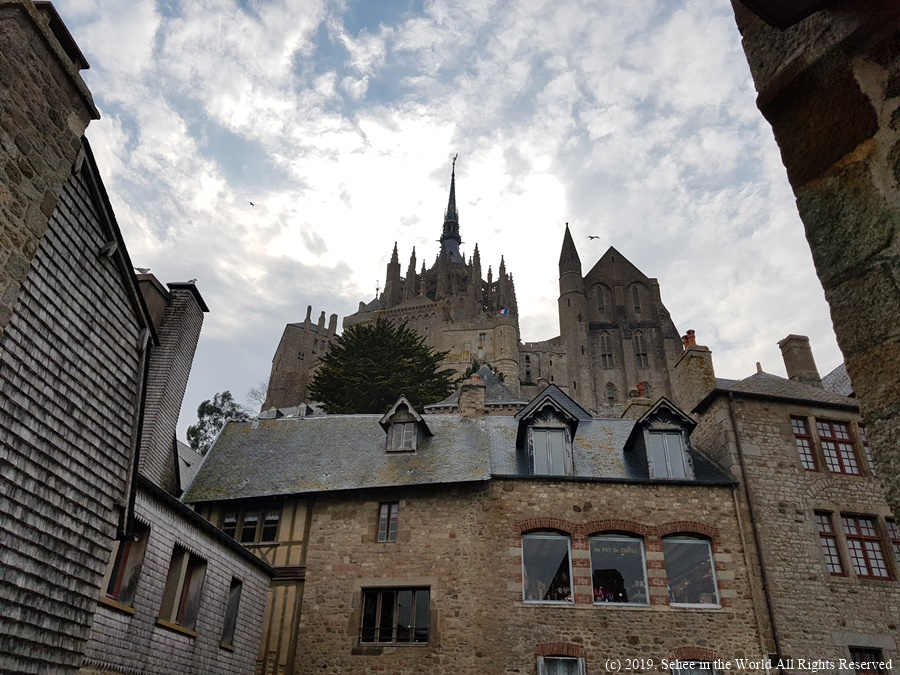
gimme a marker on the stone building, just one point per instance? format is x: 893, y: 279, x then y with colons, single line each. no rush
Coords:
x: 92, y: 373
x: 545, y: 540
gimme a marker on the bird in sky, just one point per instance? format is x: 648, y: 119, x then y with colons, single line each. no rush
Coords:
x: 593, y: 236
x: 252, y: 204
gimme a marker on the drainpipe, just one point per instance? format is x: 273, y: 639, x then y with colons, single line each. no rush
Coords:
x: 755, y: 527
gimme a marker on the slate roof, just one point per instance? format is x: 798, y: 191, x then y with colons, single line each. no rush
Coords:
x: 267, y: 458
x: 838, y: 381
x: 495, y: 392
x: 188, y: 463
x: 766, y: 385
x: 561, y: 398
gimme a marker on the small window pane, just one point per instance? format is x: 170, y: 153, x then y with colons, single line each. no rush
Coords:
x: 618, y: 572
x: 549, y: 451
x: 689, y: 568
x: 387, y: 522
x: 229, y: 523
x: 546, y: 571
x: 270, y: 525
x: 248, y: 529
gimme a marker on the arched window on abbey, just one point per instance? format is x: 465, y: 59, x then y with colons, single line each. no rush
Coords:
x: 606, y: 355
x: 640, y: 349
x: 636, y: 298
x: 611, y: 393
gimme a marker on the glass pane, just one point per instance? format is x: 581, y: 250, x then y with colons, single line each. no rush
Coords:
x: 229, y: 523
x: 546, y: 571
x: 557, y: 448
x: 392, y: 529
x: 675, y: 446
x: 559, y: 666
x: 657, y: 456
x: 404, y: 616
x: 383, y: 522
x: 386, y: 617
x: 248, y: 531
x: 541, y: 454
x: 617, y: 569
x: 690, y: 571
x: 370, y: 616
x: 270, y: 526
x: 422, y: 609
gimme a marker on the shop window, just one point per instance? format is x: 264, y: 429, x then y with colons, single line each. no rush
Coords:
x: 387, y: 521
x: 184, y: 586
x: 803, y: 439
x: 551, y: 455
x: 640, y: 350
x: 837, y: 446
x: 867, y: 661
x: 231, y: 613
x: 864, y: 544
x: 254, y: 525
x: 546, y: 568
x: 828, y: 538
x: 618, y: 569
x: 667, y: 455
x: 395, y: 615
x: 560, y: 665
x: 690, y: 570
x: 125, y: 566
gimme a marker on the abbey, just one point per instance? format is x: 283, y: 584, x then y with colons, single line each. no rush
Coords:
x: 616, y: 342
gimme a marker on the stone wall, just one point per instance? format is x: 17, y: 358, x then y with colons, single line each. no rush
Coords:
x: 71, y: 365
x: 464, y: 543
x: 817, y: 615
x: 133, y: 642
x: 836, y: 75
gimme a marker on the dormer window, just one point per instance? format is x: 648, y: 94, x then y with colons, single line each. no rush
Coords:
x: 667, y: 456
x: 403, y: 436
x: 550, y: 453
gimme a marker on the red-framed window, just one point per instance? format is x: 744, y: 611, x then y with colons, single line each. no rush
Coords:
x: 864, y: 544
x: 804, y: 442
x: 828, y: 537
x: 837, y: 446
x: 894, y: 534
x: 867, y: 451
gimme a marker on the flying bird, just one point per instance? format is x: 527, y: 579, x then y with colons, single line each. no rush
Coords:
x: 593, y: 236
x: 252, y: 204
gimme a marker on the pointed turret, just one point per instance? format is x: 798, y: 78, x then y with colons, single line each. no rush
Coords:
x: 410, y: 284
x: 392, y: 291
x: 568, y: 257
x: 450, y: 239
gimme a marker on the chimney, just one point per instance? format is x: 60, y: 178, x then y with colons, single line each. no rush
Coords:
x: 798, y: 360
x: 178, y: 329
x: 693, y: 375
x: 471, y: 398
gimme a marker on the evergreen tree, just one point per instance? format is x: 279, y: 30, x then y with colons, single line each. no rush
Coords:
x: 211, y: 417
x: 371, y: 365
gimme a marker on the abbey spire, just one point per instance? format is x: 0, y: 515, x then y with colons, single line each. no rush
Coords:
x: 450, y: 239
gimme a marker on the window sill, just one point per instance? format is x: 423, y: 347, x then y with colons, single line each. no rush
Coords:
x: 552, y: 603
x: 116, y: 605
x: 697, y: 605
x: 624, y: 605
x: 176, y: 628
x: 378, y: 648
x: 228, y: 648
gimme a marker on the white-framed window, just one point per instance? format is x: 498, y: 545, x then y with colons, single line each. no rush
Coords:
x: 550, y: 452
x: 618, y: 569
x: 404, y: 436
x: 667, y: 455
x: 690, y: 571
x: 388, y: 516
x: 560, y: 665
x: 547, y: 567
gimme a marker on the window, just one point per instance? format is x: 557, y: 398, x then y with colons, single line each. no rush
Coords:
x: 125, y: 567
x: 828, y: 537
x: 231, y: 613
x: 640, y: 351
x: 482, y: 337
x: 600, y: 298
x: 549, y: 452
x: 894, y: 534
x: 864, y: 544
x: 867, y: 451
x: 387, y: 521
x: 606, y: 355
x: 694, y: 668
x: 803, y: 439
x: 618, y: 571
x: 404, y: 436
x: 667, y: 456
x: 611, y: 393
x: 636, y: 297
x: 560, y: 665
x: 865, y: 660
x: 546, y: 568
x: 837, y: 446
x: 184, y: 584
x: 689, y: 567
x: 253, y: 525
x: 395, y: 615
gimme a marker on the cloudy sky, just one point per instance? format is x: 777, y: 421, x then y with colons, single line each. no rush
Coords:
x: 633, y: 120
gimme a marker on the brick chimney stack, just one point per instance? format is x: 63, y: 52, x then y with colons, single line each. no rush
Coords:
x: 798, y: 360
x: 178, y: 317
x: 471, y: 398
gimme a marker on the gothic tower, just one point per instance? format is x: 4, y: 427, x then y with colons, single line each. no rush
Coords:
x: 573, y: 324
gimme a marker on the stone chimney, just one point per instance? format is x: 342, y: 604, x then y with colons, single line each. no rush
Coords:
x: 178, y: 316
x: 471, y: 398
x: 693, y: 376
x: 798, y: 360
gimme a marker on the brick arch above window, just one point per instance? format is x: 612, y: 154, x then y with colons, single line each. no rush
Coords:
x: 553, y: 524
x: 560, y: 649
x: 601, y: 526
x: 694, y: 653
x: 688, y: 527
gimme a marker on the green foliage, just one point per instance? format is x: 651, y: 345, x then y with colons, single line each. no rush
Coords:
x: 211, y: 417
x: 371, y: 365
